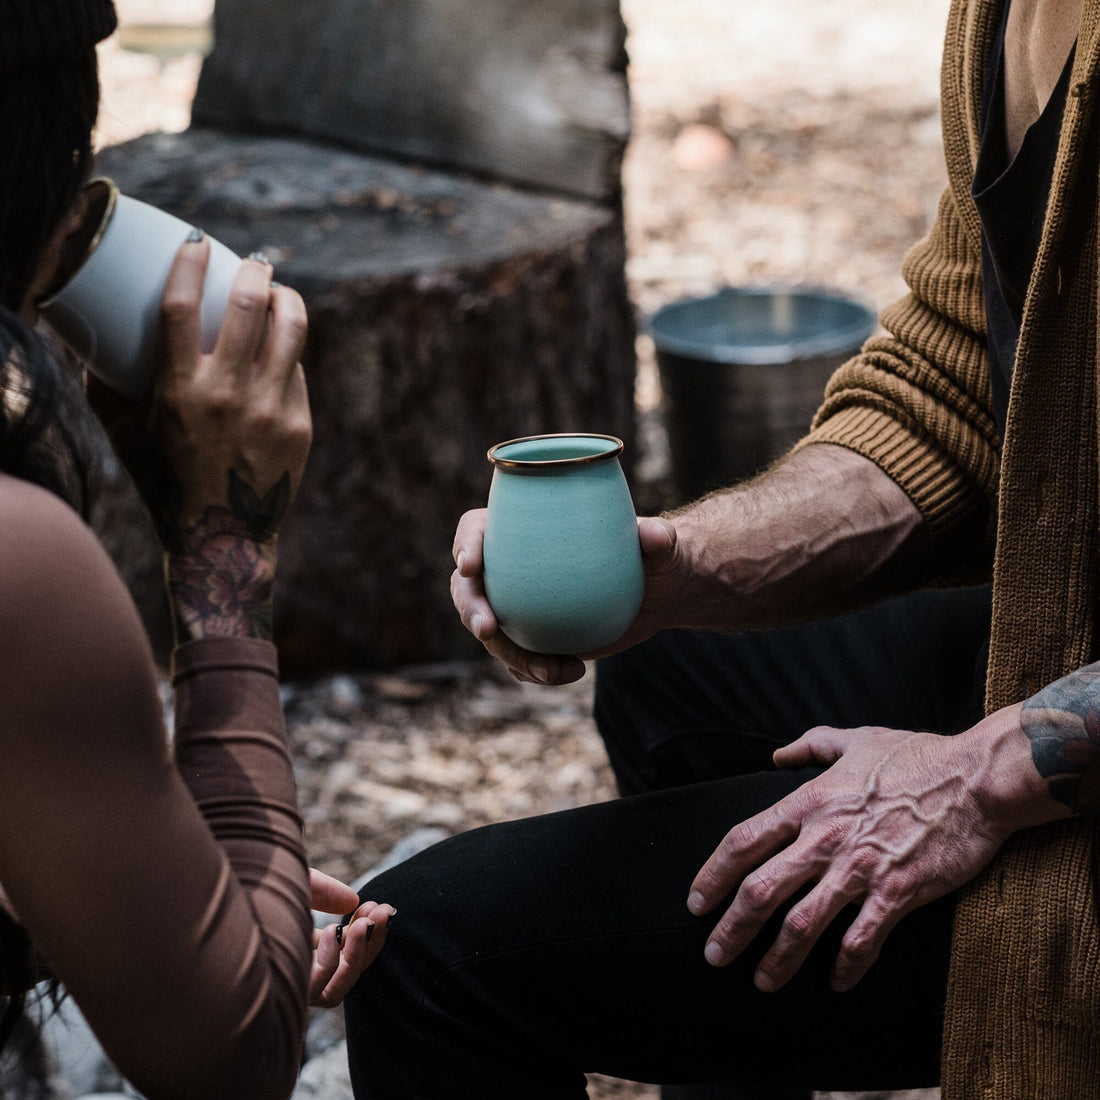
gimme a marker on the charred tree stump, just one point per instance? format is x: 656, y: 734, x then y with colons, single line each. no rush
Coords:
x: 447, y: 313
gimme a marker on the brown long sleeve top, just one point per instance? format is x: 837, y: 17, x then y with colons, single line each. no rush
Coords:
x: 1023, y: 1016
x: 167, y: 890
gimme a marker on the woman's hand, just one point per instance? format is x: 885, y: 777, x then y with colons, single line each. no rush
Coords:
x: 898, y: 820
x: 219, y: 450
x: 342, y: 951
x: 659, y: 557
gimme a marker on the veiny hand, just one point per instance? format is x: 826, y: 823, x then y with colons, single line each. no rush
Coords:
x: 662, y: 571
x: 341, y: 954
x: 898, y: 820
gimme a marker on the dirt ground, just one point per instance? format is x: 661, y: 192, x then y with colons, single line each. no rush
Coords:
x: 794, y: 141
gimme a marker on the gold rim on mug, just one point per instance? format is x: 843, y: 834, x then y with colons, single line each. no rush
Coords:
x: 70, y: 268
x: 544, y: 463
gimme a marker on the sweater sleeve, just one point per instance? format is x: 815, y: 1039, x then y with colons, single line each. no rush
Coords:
x: 231, y: 750
x: 917, y: 400
x: 167, y: 890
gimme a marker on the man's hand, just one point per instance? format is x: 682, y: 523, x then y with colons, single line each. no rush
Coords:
x: 342, y: 953
x: 822, y: 531
x: 898, y: 820
x: 662, y: 568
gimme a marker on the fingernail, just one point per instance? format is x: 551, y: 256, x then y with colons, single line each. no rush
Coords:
x: 339, y: 934
x: 370, y: 931
x: 393, y: 913
x: 259, y: 257
x: 275, y: 285
x: 696, y: 903
x: 714, y: 953
x: 195, y: 235
x: 476, y: 623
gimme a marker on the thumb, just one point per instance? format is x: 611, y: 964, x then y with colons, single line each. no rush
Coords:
x: 330, y: 895
x: 821, y: 745
x: 657, y: 537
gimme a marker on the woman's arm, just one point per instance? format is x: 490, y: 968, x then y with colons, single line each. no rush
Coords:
x: 188, y: 954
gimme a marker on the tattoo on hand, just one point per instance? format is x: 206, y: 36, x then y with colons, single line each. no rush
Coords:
x: 1063, y: 724
x: 222, y: 575
x: 263, y: 515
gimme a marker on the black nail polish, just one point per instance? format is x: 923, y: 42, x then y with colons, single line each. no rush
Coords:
x: 259, y: 257
x: 370, y: 931
x: 339, y: 934
x: 195, y: 235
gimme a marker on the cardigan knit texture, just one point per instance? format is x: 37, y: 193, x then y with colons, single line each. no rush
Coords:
x: 1023, y: 1009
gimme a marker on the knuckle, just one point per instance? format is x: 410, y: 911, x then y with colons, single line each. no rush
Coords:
x: 222, y: 402
x: 756, y: 891
x: 300, y: 431
x: 246, y: 298
x: 264, y: 419
x: 860, y: 943
x: 178, y: 307
x: 295, y: 324
x: 301, y: 418
x: 745, y: 834
x: 799, y: 928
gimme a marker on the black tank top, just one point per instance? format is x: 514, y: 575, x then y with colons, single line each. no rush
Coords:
x: 1012, y: 199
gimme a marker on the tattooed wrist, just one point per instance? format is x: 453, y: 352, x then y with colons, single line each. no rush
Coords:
x: 1062, y: 722
x: 221, y: 581
x: 221, y: 568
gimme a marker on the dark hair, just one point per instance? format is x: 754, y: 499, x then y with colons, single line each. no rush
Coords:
x: 47, y: 114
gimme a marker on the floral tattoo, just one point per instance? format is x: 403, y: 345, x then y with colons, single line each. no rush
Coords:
x: 222, y: 572
x: 1063, y: 724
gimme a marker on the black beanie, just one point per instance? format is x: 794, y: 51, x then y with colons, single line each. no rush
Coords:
x: 50, y: 30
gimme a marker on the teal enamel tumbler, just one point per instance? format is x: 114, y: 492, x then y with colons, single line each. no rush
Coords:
x: 563, y: 566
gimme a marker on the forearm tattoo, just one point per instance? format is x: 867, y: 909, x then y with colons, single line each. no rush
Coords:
x: 1063, y: 724
x: 222, y: 573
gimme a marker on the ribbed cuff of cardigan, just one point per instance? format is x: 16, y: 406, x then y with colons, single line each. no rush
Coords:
x: 941, y: 492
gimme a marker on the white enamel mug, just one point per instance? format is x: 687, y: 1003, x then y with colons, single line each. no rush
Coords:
x: 108, y: 309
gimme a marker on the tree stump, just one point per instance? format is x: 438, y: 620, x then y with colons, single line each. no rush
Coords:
x: 530, y: 92
x: 447, y: 313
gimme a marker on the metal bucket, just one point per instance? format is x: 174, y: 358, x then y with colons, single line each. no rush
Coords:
x: 743, y: 371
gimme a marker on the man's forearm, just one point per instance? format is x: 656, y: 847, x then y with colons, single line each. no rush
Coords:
x: 822, y: 532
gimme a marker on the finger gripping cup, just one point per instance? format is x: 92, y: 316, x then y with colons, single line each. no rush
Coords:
x: 113, y: 276
x: 563, y: 565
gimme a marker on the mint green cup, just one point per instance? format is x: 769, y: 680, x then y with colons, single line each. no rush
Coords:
x: 563, y: 566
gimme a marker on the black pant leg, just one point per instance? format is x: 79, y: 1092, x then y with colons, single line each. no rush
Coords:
x: 688, y: 706
x: 529, y: 953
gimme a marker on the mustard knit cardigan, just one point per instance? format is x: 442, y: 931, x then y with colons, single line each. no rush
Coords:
x: 1023, y: 1012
